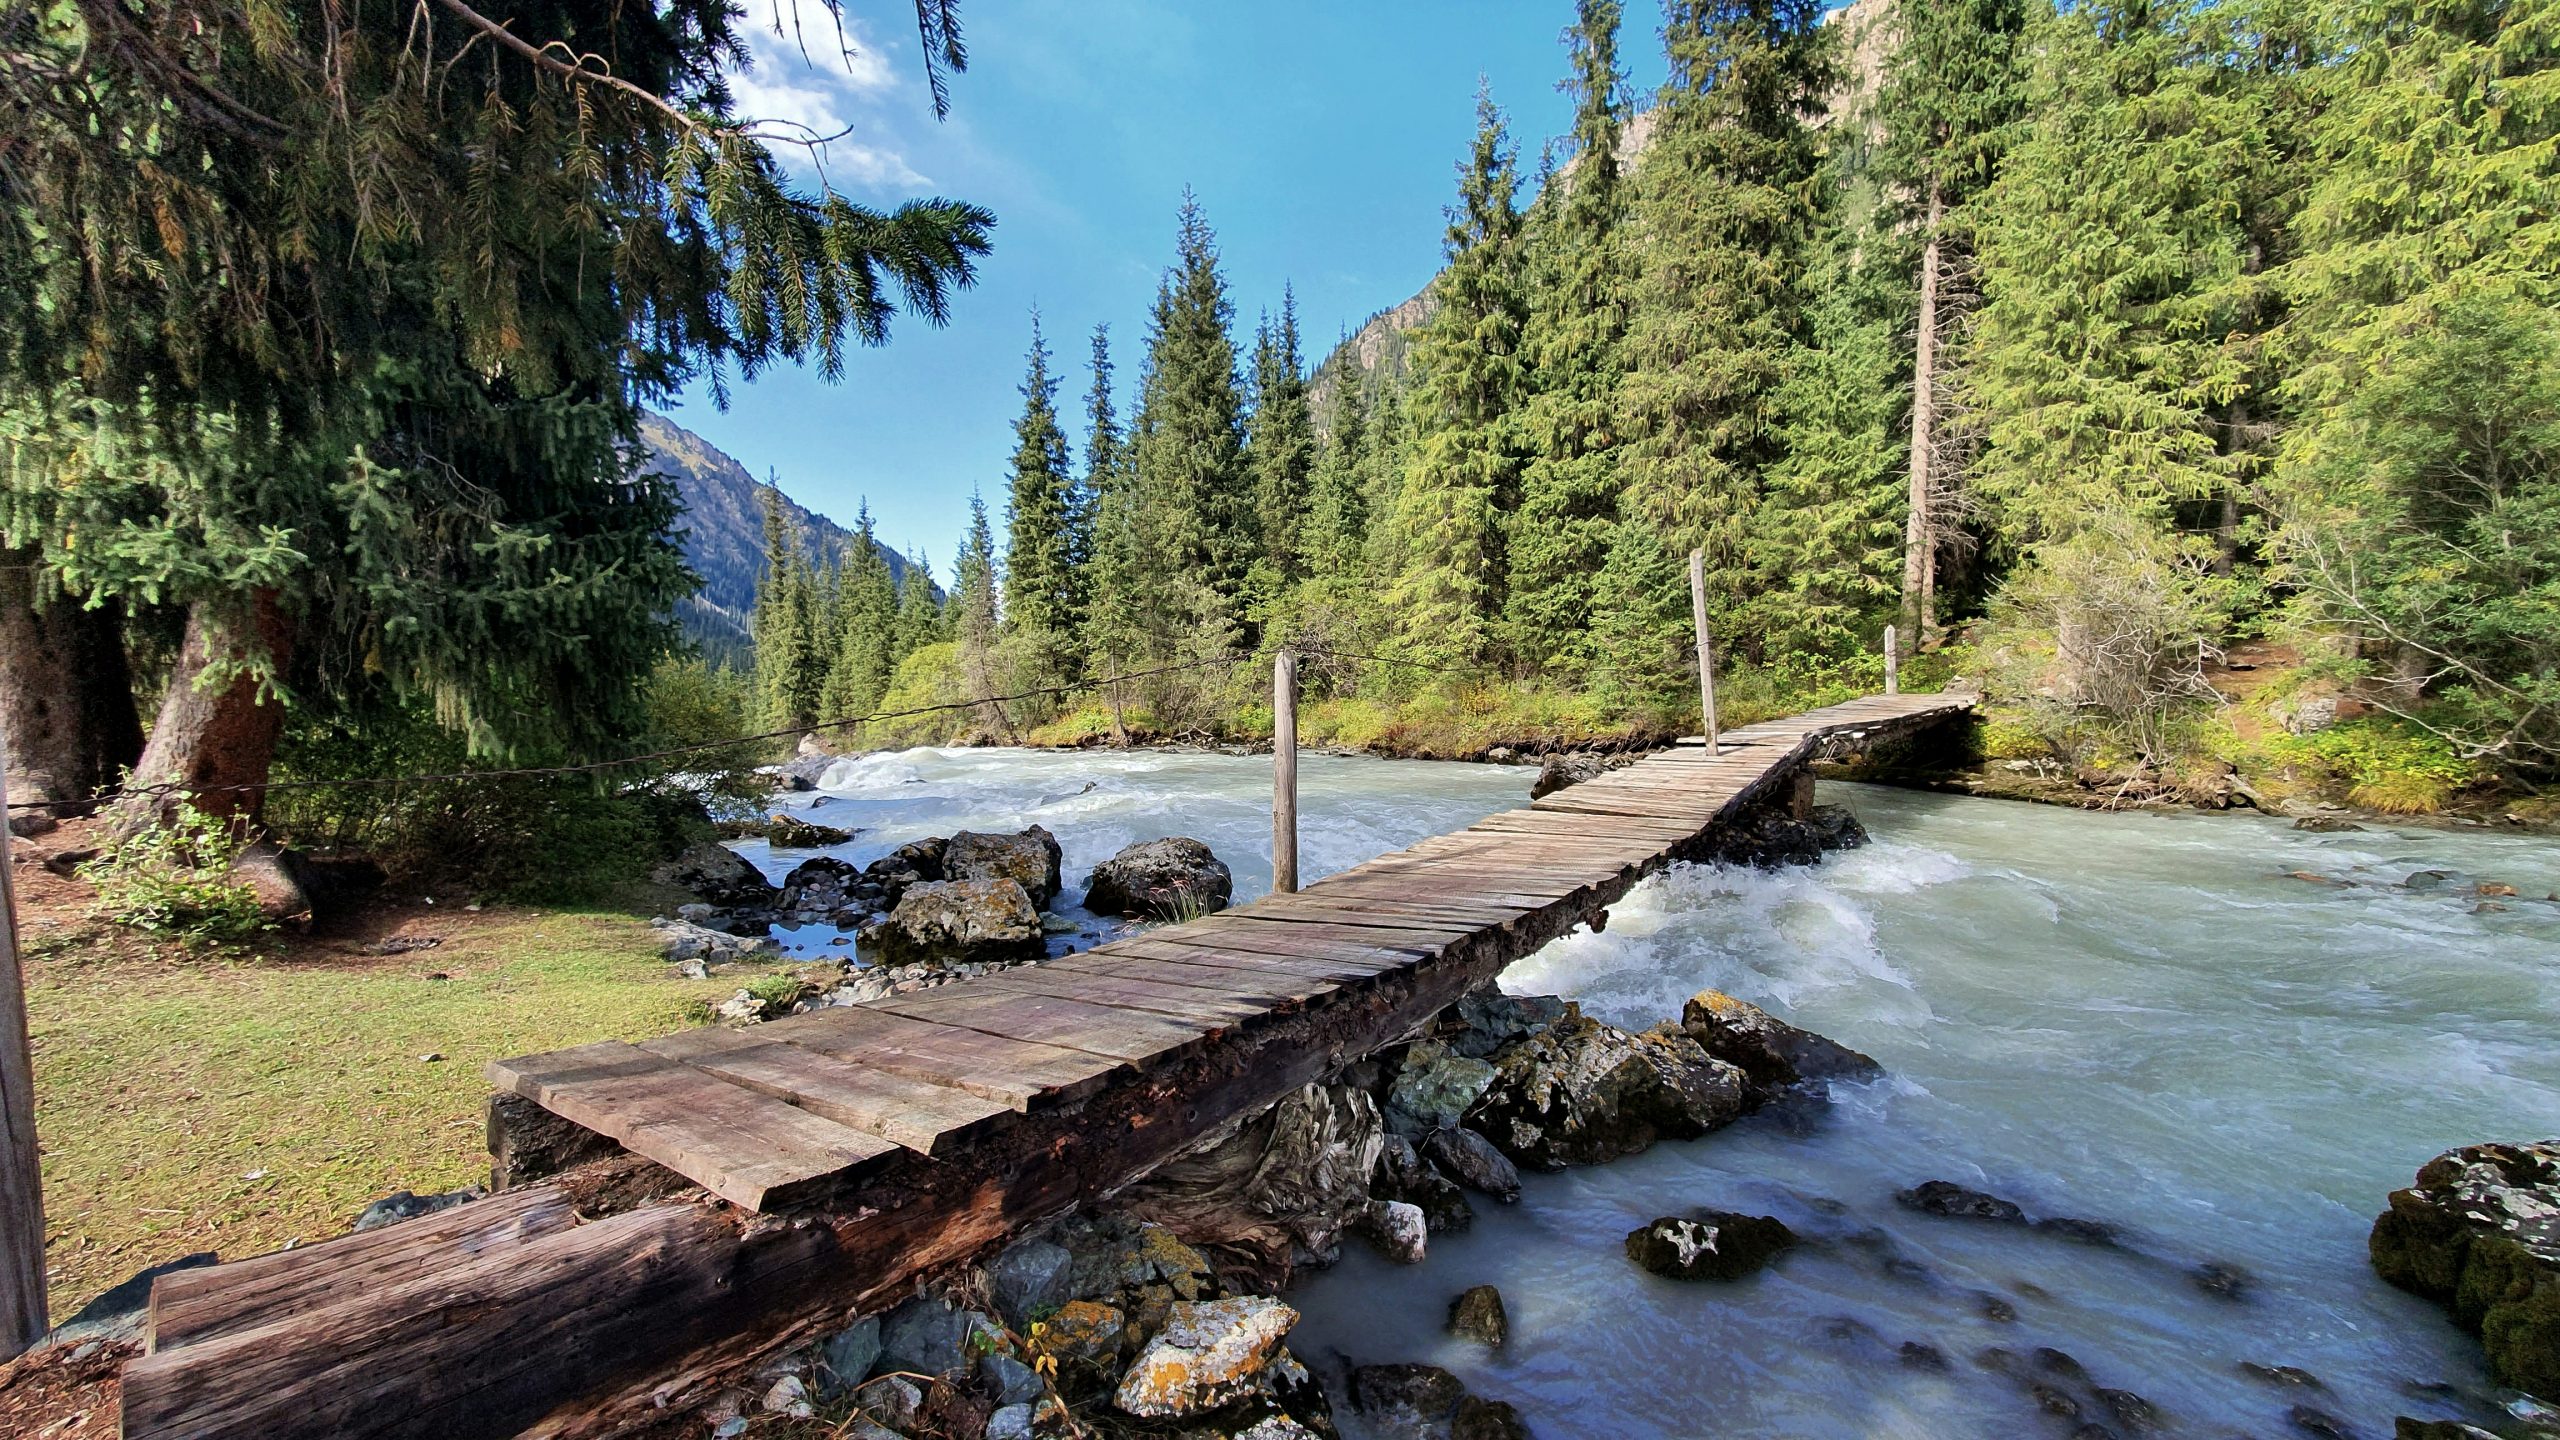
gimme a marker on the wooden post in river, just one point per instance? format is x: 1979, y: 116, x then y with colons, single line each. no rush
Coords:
x: 1892, y: 669
x: 1284, y: 773
x: 1706, y: 653
x: 22, y: 1288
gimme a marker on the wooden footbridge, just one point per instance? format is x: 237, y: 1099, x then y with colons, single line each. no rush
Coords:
x: 757, y: 1187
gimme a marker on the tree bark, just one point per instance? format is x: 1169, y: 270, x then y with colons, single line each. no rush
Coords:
x: 216, y: 743
x: 1920, y: 531
x: 66, y: 694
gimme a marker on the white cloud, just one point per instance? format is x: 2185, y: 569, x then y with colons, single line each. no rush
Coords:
x: 814, y: 83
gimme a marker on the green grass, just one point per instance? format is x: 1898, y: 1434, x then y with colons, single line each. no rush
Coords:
x: 191, y: 1102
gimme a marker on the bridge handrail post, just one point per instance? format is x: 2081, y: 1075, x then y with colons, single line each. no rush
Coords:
x: 1892, y: 668
x: 22, y: 1274
x: 1706, y: 651
x: 1284, y: 772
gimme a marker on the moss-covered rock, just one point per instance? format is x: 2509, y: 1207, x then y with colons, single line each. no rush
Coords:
x: 2479, y: 1233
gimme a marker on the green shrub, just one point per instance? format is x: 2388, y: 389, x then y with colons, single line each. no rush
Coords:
x: 175, y: 879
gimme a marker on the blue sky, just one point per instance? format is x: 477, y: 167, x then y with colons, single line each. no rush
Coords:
x: 1320, y: 137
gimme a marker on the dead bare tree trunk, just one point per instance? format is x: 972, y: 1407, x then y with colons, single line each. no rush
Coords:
x: 216, y: 742
x: 66, y: 694
x: 1920, y: 531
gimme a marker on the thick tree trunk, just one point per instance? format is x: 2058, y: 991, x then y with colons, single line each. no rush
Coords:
x: 66, y: 695
x: 215, y: 743
x: 1920, y: 531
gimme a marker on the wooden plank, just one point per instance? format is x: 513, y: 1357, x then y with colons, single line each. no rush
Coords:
x: 1282, y: 944
x: 749, y: 1149
x: 1205, y: 1009
x: 1242, y: 976
x: 1025, y: 1075
x: 187, y: 1305
x: 923, y: 1116
x: 1053, y: 1020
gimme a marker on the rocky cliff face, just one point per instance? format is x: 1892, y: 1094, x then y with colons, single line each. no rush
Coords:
x: 723, y: 530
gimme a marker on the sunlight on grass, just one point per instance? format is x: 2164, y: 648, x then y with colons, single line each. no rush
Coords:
x: 208, y: 1104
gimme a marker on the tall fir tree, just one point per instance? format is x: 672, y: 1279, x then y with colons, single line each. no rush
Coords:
x: 1463, y: 478
x: 1193, y: 497
x: 1044, y: 585
x: 1336, y: 534
x: 1583, y: 284
x: 1955, y: 84
x: 865, y: 641
x: 921, y: 621
x: 1280, y: 452
x: 976, y: 613
x: 790, y: 666
x: 1726, y: 206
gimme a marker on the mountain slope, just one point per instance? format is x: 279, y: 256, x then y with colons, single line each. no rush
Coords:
x: 723, y: 532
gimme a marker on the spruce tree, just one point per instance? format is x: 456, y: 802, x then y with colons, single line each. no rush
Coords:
x: 1335, y: 537
x: 1583, y: 287
x: 1463, y: 477
x: 921, y: 621
x: 1044, y: 577
x: 865, y: 642
x: 1192, y: 498
x: 1726, y: 206
x: 976, y: 617
x: 1280, y: 453
x: 791, y: 666
x: 1954, y: 86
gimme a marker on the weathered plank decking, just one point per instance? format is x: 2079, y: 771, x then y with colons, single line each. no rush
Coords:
x: 906, y: 1134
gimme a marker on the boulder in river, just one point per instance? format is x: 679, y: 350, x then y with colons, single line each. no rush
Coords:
x: 1772, y: 1052
x: 1583, y: 1093
x: 1172, y: 878
x: 718, y: 874
x: 790, y: 832
x: 1769, y: 836
x: 1558, y: 771
x: 1489, y: 1019
x: 1029, y: 858
x: 1210, y: 1353
x: 1945, y: 1197
x: 1472, y: 1161
x: 1403, y: 1174
x: 2479, y: 1233
x: 1434, y: 1086
x: 1710, y: 1245
x: 1479, y: 1315
x: 959, y: 922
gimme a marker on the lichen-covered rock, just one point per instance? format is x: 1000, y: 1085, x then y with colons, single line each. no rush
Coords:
x: 1583, y: 1093
x: 1084, y: 1331
x: 1478, y: 1315
x: 1172, y: 878
x: 1434, y: 1088
x: 718, y: 874
x: 1710, y: 1245
x: 1028, y: 858
x: 959, y: 922
x: 1209, y: 1354
x: 2479, y: 1233
x: 1773, y: 1053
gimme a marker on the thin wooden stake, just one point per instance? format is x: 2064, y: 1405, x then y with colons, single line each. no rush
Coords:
x: 22, y: 1287
x: 1284, y: 773
x: 1892, y: 667
x: 1706, y: 652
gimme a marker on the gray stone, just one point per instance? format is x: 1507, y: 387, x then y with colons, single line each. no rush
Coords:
x: 1472, y: 1161
x: 1010, y: 1381
x: 1558, y: 771
x: 786, y: 831
x: 402, y: 1205
x: 1011, y: 1422
x: 1433, y: 1088
x: 1172, y: 878
x: 1770, y: 1051
x: 1406, y: 1402
x: 1945, y: 1197
x: 1710, y: 1245
x: 959, y: 922
x: 1398, y: 1230
x: 2479, y: 1234
x: 28, y: 824
x: 1029, y: 859
x: 1030, y: 1279
x: 717, y: 874
x: 1210, y: 1353
x: 1493, y: 1020
x: 928, y: 1337
x: 1403, y: 1174
x: 846, y: 1357
x: 681, y: 941
x: 280, y: 878
x: 897, y: 1401
x: 1583, y: 1093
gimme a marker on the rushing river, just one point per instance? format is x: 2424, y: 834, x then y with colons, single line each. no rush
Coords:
x: 2138, y: 1020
